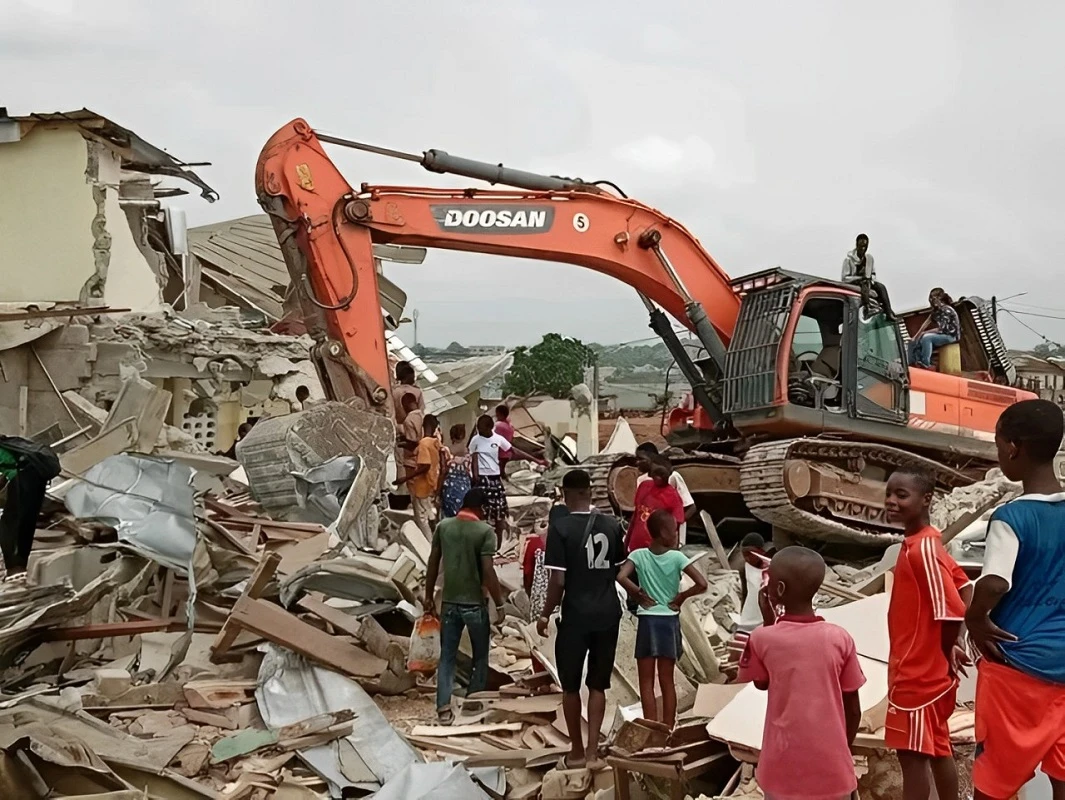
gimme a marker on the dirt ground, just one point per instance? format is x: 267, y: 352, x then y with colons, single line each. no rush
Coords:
x: 405, y: 711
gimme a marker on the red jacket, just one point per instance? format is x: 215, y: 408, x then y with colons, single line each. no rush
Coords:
x: 650, y: 498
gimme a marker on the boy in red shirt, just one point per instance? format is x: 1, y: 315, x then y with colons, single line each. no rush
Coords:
x: 652, y: 495
x: 924, y: 621
x: 810, y: 668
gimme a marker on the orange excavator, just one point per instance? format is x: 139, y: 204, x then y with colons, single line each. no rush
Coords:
x: 801, y: 401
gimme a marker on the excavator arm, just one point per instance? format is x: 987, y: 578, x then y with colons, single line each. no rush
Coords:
x: 327, y: 231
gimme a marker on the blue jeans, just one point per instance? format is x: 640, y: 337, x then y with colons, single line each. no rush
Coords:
x: 453, y: 618
x: 920, y: 349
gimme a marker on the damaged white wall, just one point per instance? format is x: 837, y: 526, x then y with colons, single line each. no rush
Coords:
x: 562, y: 418
x: 63, y: 236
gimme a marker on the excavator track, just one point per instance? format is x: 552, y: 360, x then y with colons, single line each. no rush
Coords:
x: 763, y: 483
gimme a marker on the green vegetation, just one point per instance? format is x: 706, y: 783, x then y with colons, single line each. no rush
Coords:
x: 551, y: 367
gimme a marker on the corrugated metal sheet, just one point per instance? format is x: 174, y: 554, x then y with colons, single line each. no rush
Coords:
x: 240, y: 258
x: 456, y: 379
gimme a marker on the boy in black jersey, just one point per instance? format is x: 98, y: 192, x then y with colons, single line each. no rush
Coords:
x: 584, y: 551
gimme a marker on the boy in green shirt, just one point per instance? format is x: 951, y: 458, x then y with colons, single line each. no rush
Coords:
x: 658, y: 643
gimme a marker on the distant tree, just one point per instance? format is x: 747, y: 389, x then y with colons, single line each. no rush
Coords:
x: 551, y: 367
x: 420, y: 350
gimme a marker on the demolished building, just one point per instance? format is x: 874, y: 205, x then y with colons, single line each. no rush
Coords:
x: 96, y: 265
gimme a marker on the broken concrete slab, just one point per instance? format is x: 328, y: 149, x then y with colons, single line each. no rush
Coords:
x: 144, y: 402
x: 119, y: 439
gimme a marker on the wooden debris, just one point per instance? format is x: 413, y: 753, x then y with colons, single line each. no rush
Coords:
x: 252, y: 613
x: 430, y: 731
x: 213, y: 694
x: 308, y: 733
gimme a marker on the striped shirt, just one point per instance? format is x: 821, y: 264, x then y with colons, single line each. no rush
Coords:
x: 924, y: 596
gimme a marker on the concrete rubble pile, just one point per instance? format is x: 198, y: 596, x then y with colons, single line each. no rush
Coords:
x: 174, y: 637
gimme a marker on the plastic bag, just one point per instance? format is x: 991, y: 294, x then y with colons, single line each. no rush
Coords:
x: 424, y: 653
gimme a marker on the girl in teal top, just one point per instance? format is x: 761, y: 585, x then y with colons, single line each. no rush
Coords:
x: 658, y: 643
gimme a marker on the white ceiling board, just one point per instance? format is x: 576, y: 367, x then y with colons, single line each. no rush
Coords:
x: 742, y: 720
x: 866, y: 622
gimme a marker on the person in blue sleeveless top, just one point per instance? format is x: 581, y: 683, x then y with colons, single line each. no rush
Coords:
x: 1017, y: 615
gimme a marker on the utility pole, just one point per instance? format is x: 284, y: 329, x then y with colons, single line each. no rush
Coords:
x: 994, y: 309
x: 414, y: 314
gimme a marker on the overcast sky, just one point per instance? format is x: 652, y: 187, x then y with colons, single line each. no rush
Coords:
x: 775, y: 131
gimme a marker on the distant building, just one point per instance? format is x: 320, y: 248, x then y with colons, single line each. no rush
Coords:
x: 1043, y: 375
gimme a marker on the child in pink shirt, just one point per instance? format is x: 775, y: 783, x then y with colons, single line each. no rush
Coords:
x: 811, y: 671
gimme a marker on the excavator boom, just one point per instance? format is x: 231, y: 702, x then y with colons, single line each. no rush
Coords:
x: 327, y: 230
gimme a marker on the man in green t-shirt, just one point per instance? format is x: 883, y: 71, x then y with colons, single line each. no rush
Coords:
x: 465, y: 544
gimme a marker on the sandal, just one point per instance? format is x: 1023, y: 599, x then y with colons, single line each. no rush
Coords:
x: 445, y: 716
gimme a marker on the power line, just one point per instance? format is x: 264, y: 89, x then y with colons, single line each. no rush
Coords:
x: 1032, y: 305
x: 681, y: 332
x: 1034, y: 314
x: 1033, y: 330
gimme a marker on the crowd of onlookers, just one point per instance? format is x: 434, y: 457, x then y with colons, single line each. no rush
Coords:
x: 1013, y: 615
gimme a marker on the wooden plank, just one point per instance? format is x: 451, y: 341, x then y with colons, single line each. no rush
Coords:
x: 432, y: 731
x: 334, y: 616
x: 543, y: 705
x: 78, y: 459
x: 514, y: 758
x: 234, y: 540
x: 218, y: 694
x: 467, y: 747
x: 106, y: 630
x: 205, y: 717
x: 256, y: 585
x: 274, y: 623
x: 715, y: 540
x: 701, y: 765
x: 668, y: 770
x: 233, y: 515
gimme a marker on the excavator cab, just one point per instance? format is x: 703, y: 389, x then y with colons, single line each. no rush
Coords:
x: 808, y: 356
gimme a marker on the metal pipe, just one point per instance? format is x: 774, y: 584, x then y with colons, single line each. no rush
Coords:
x: 693, y: 309
x: 442, y: 162
x: 663, y: 326
x: 655, y: 247
x: 445, y: 163
x: 367, y: 148
x: 55, y: 388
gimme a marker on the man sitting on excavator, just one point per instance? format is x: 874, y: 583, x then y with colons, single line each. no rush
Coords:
x: 858, y: 269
